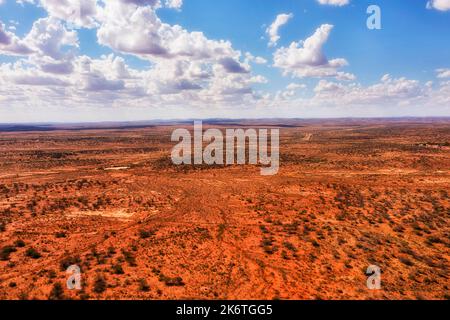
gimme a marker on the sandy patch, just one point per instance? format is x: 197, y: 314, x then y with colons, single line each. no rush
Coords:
x: 116, y: 214
x: 308, y: 137
x: 116, y: 168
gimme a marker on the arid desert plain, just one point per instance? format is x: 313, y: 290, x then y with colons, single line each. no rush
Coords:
x: 349, y: 194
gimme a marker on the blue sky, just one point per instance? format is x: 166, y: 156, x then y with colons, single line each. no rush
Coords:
x: 400, y: 70
x: 412, y: 41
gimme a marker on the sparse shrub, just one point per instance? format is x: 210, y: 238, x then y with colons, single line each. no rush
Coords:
x: 60, y: 235
x: 143, y: 285
x: 100, y: 284
x: 406, y: 261
x: 83, y: 200
x: 33, y: 253
x: 52, y: 274
x: 221, y: 230
x: 267, y: 245
x: 129, y: 258
x: 111, y: 251
x: 264, y: 229
x: 204, y: 233
x: 432, y: 240
x: 290, y: 246
x: 266, y: 242
x: 100, y: 203
x: 171, y: 282
x: 341, y: 216
x: 84, y: 296
x: 315, y: 243
x: 156, y: 271
x: 270, y: 250
x: 145, y: 234
x: 19, y: 243
x: 57, y: 292
x: 291, y: 228
x: 68, y: 261
x: 117, y: 269
x: 6, y: 251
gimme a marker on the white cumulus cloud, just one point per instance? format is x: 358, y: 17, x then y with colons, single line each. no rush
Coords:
x: 274, y: 28
x: 338, y: 3
x: 441, y: 5
x: 388, y: 91
x: 81, y: 13
x: 306, y: 58
x: 10, y: 44
x: 443, y: 73
x: 138, y: 30
x: 175, y: 4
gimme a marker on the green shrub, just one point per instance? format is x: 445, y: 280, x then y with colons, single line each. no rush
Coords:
x: 19, y: 243
x: 68, y: 261
x: 100, y: 284
x: 145, y: 234
x: 117, y: 269
x: 57, y: 292
x: 129, y: 258
x: 6, y: 251
x: 33, y: 253
x: 171, y: 282
x: 143, y: 285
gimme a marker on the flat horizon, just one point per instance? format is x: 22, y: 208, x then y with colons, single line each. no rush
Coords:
x: 174, y: 120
